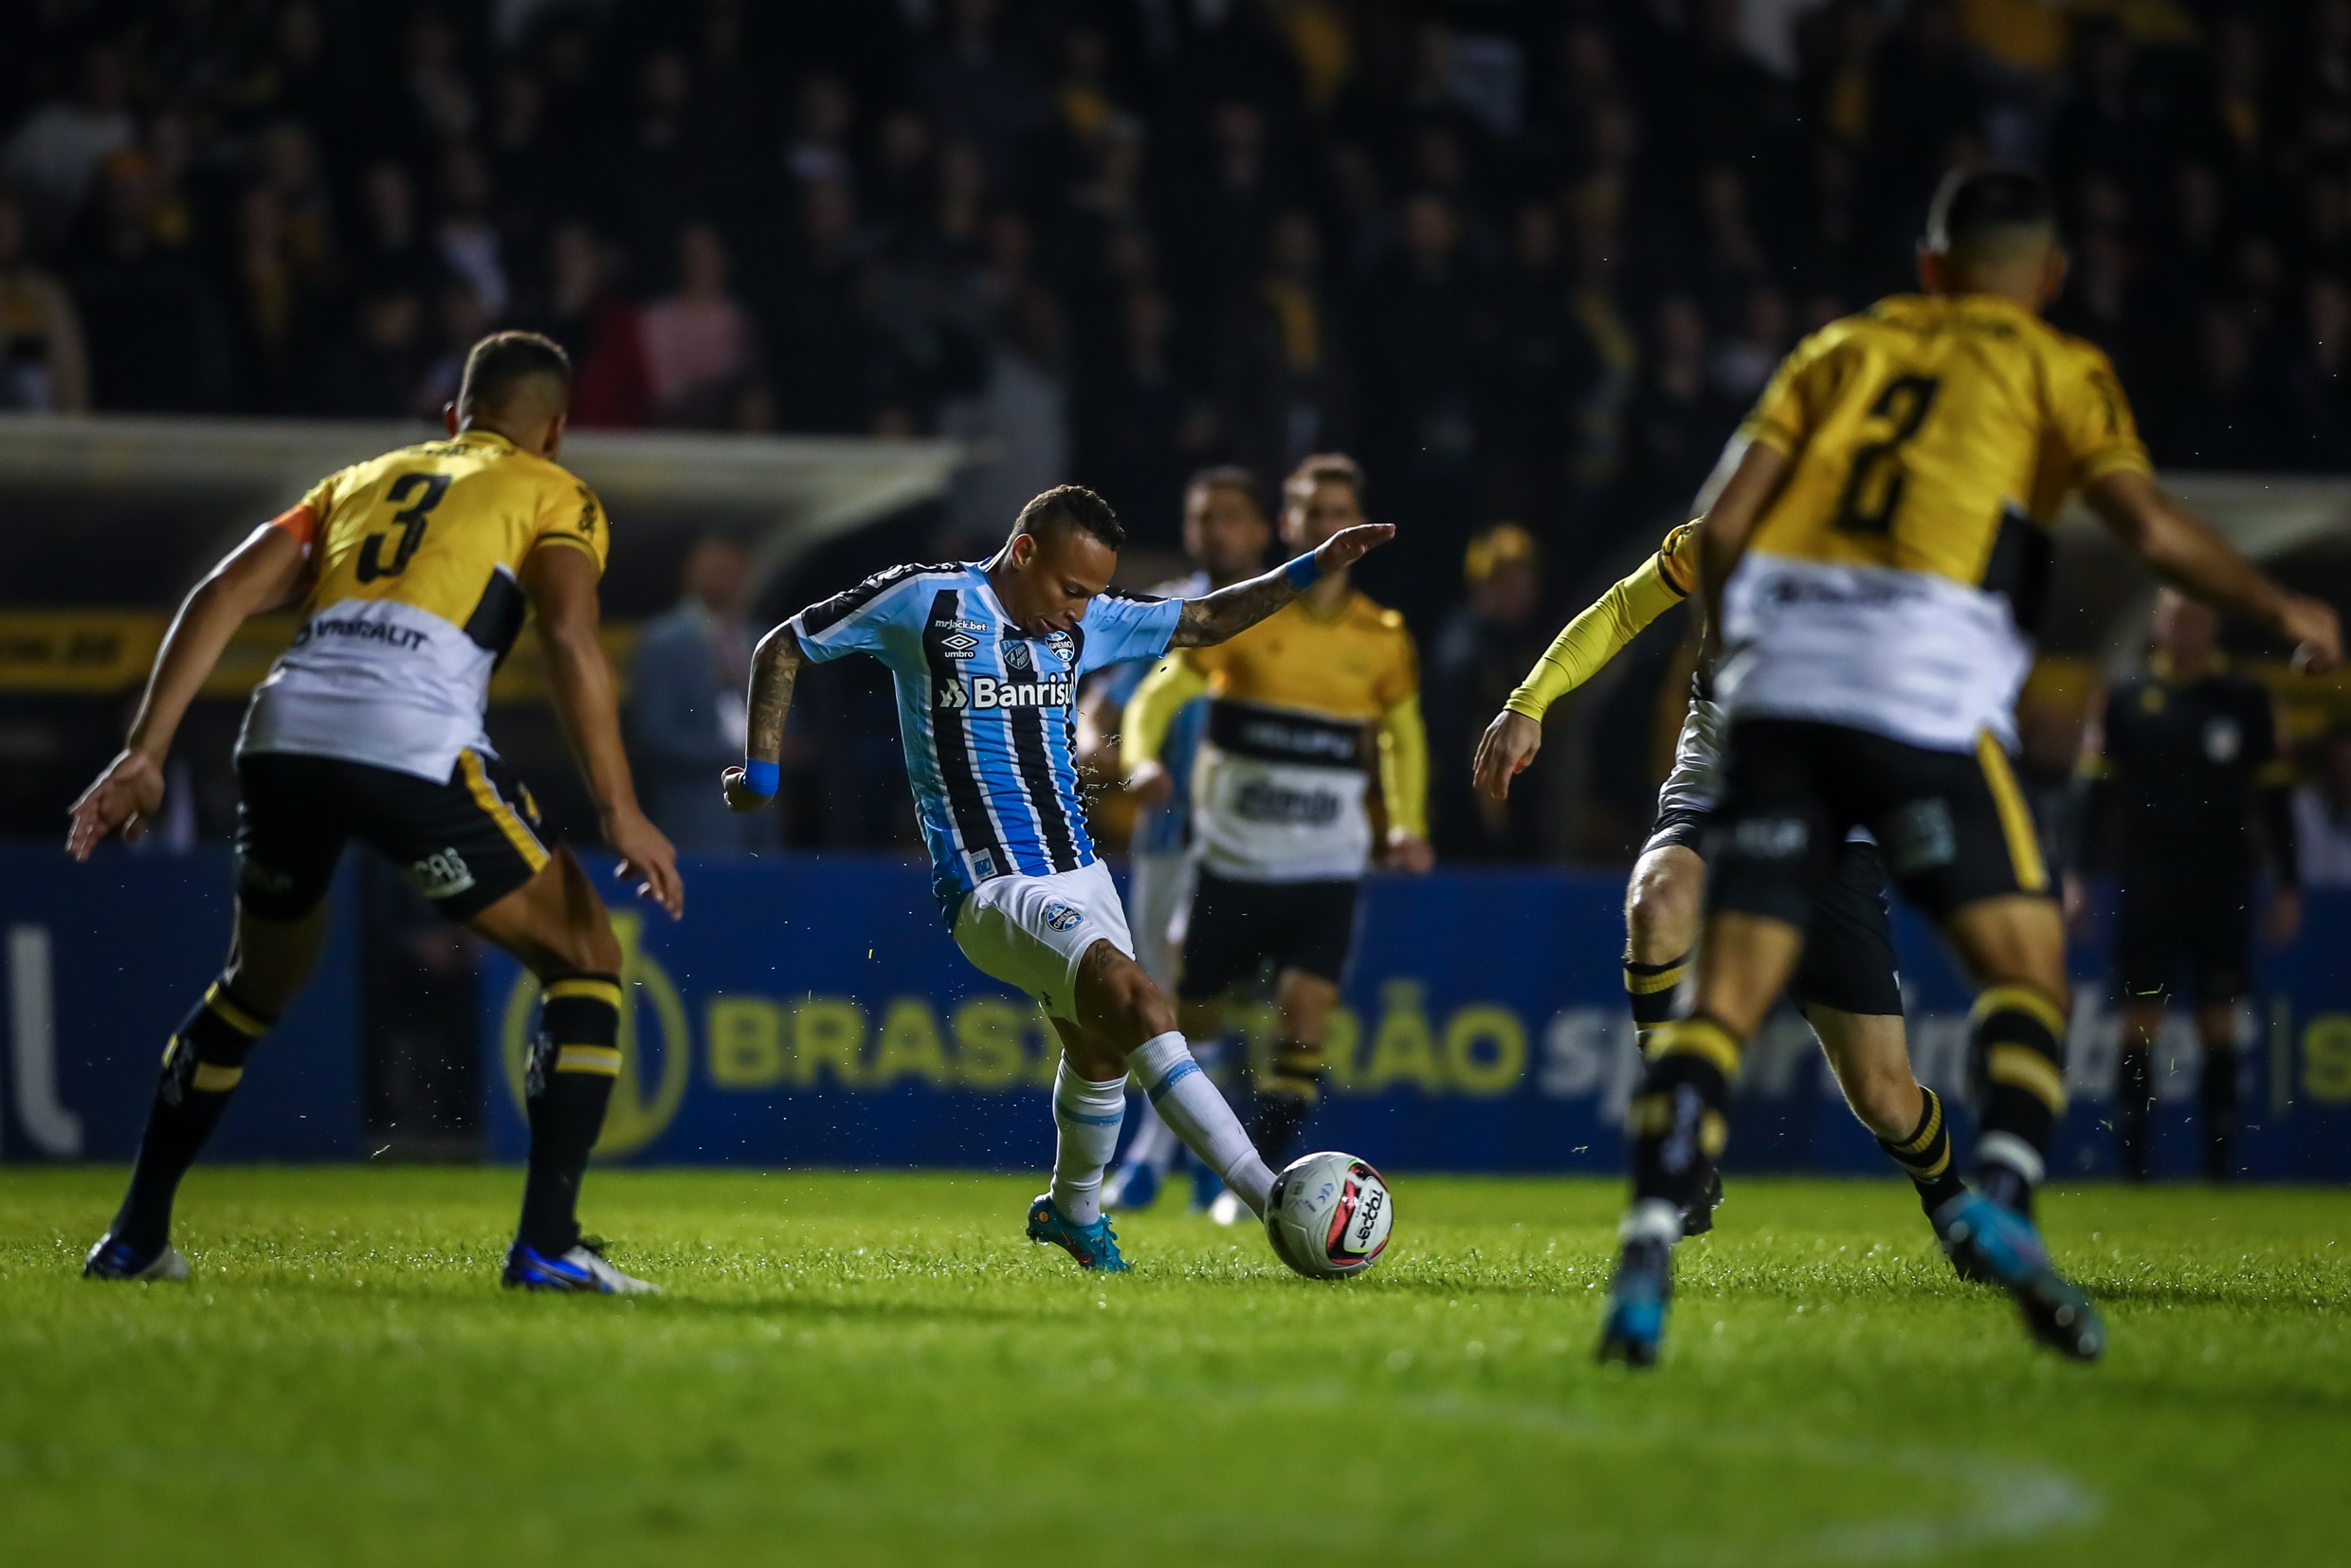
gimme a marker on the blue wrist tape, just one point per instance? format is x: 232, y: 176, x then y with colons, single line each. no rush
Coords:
x: 1303, y: 572
x: 761, y: 778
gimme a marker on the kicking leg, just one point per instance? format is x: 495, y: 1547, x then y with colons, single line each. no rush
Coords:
x: 1118, y: 1004
x: 559, y: 929
x: 203, y: 1063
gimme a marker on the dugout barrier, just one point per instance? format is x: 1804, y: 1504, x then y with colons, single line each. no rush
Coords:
x: 811, y: 1012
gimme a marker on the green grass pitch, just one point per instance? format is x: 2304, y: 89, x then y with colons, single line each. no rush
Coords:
x: 878, y: 1369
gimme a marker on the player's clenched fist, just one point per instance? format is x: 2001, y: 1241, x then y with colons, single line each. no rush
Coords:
x: 741, y: 796
x: 1508, y: 745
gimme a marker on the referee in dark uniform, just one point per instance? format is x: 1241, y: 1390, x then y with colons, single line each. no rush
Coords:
x: 2185, y: 759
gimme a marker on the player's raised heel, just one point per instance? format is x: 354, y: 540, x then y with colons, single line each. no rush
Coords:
x: 1094, y: 1246
x: 1636, y: 1326
x: 1132, y: 1186
x: 1998, y: 1246
x: 582, y: 1271
x: 118, y: 1260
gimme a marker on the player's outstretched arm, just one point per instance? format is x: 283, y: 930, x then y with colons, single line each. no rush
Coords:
x: 2186, y: 551
x: 1581, y: 650
x: 1229, y: 612
x: 561, y: 582
x: 261, y: 574
x: 774, y: 670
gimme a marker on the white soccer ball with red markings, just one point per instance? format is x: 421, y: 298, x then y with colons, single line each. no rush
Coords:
x: 1330, y: 1215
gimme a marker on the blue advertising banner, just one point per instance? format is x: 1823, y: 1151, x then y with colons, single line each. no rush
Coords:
x: 104, y: 959
x: 813, y: 1012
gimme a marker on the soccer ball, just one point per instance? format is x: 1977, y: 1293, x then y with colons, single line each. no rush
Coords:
x: 1329, y: 1215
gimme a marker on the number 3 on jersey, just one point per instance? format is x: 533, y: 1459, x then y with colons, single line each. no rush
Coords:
x: 409, y: 518
x: 1873, y: 486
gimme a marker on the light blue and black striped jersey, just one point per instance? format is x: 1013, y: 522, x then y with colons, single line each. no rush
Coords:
x: 1163, y: 829
x: 987, y: 715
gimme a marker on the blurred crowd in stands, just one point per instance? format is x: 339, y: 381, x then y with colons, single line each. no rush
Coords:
x: 1530, y: 259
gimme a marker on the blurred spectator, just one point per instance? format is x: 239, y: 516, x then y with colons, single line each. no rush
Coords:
x: 698, y: 350
x: 55, y: 154
x: 43, y: 366
x: 157, y: 338
x: 2319, y: 378
x: 1486, y: 647
x: 2322, y: 814
x: 1676, y: 425
x: 612, y: 384
x: 1022, y: 412
x: 1140, y: 428
x: 687, y: 717
x: 380, y: 371
x: 468, y: 239
x: 2231, y: 417
x: 1283, y: 374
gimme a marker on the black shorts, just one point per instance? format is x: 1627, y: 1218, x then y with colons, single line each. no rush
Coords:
x: 2174, y: 925
x: 1848, y: 961
x: 1952, y: 827
x: 1237, y: 929
x: 464, y: 843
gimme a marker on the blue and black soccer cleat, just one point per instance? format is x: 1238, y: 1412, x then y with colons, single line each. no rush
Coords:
x: 582, y: 1271
x: 1094, y: 1246
x: 1698, y: 1217
x: 1987, y: 1240
x: 1135, y: 1185
x: 1636, y: 1326
x: 118, y: 1260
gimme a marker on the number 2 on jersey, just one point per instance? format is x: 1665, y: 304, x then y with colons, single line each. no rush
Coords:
x: 1873, y: 488
x: 411, y: 521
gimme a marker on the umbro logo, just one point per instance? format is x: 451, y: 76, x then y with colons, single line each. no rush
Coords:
x: 958, y: 644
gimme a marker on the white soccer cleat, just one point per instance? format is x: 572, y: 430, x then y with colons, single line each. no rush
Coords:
x: 1227, y: 1208
x: 115, y: 1260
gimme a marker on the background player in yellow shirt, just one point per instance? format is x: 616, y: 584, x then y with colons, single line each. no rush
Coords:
x: 415, y: 572
x: 1305, y: 710
x: 1846, y: 983
x: 1873, y: 564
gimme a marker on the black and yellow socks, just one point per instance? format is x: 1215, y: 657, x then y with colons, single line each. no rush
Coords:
x: 1285, y: 1099
x: 1924, y: 1155
x: 202, y: 1066
x: 1679, y: 1121
x: 2018, y: 1036
x: 1650, y: 988
x: 574, y: 1064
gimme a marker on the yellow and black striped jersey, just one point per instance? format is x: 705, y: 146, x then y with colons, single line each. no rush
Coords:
x: 416, y: 560
x: 1887, y: 585
x: 1302, y: 708
x: 1917, y: 428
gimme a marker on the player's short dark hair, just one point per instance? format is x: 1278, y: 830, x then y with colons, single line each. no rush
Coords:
x: 1231, y: 476
x: 1072, y: 506
x: 1979, y: 208
x: 504, y: 363
x: 1322, y: 468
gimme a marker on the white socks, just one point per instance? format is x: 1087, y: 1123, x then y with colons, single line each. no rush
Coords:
x: 1195, y: 1110
x: 1087, y: 1117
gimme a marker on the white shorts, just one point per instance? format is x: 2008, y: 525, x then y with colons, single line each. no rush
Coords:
x: 1158, y: 886
x: 1031, y: 932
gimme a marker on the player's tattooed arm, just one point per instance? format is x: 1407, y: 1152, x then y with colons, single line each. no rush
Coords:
x: 1229, y: 612
x: 774, y: 670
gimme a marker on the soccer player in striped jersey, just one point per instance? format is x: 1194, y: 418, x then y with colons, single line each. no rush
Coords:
x: 987, y: 656
x: 414, y: 572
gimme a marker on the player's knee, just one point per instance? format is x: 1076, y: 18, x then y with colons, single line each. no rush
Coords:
x: 1661, y: 912
x: 1121, y: 1000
